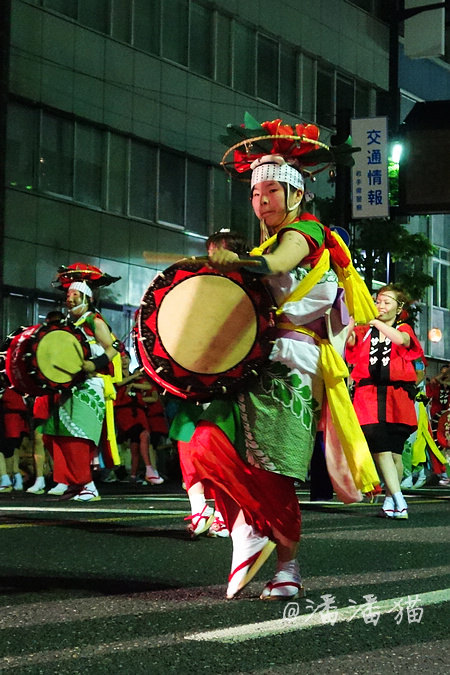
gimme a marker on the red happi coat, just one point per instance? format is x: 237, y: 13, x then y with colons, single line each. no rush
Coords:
x: 129, y: 410
x: 15, y: 414
x: 391, y: 399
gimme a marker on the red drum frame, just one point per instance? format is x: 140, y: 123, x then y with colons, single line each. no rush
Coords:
x: 200, y: 334
x: 46, y: 358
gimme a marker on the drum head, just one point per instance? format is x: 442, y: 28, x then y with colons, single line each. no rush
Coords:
x: 59, y: 356
x: 200, y: 333
x: 46, y: 357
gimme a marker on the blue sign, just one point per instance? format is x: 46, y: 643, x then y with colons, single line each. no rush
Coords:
x: 344, y: 235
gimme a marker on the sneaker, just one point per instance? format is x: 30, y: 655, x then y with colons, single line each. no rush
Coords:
x: 200, y: 522
x: 250, y: 552
x: 87, y: 494
x: 285, y: 585
x: 407, y: 482
x: 58, y: 490
x: 444, y: 480
x: 218, y: 528
x: 6, y: 488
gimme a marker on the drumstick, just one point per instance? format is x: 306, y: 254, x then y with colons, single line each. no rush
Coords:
x: 154, y: 256
x: 63, y: 370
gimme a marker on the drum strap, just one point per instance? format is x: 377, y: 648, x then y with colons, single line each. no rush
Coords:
x: 351, y: 438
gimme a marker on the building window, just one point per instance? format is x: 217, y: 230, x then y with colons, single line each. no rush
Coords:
x: 197, y: 197
x: 147, y: 26
x: 121, y: 20
x: 362, y: 101
x: 175, y: 25
x: 325, y: 98
x: 56, y: 155
x: 223, y: 48
x: 288, y: 79
x: 221, y: 199
x: 244, y: 53
x: 307, y: 88
x: 95, y: 14
x: 117, y: 174
x: 171, y: 189
x: 268, y: 69
x: 441, y: 278
x: 143, y: 168
x: 241, y: 219
x: 89, y: 162
x: 66, y: 7
x: 200, y: 44
x: 22, y: 153
x: 345, y: 94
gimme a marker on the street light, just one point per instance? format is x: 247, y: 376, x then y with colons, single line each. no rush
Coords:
x: 435, y: 335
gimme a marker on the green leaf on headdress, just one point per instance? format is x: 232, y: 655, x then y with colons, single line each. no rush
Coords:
x: 250, y: 122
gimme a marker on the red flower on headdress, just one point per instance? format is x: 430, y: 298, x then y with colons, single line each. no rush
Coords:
x: 78, y: 271
x: 287, y: 148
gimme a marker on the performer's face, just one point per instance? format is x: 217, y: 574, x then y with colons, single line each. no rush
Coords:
x: 387, y: 307
x: 269, y: 203
x: 125, y: 360
x: 74, y: 302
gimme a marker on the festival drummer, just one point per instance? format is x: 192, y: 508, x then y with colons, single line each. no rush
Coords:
x: 74, y: 430
x: 250, y: 455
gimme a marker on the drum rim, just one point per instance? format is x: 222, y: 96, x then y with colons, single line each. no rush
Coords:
x: 144, y: 335
x: 41, y: 385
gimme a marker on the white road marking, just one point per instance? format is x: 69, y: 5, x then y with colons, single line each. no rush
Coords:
x: 79, y: 509
x: 288, y: 625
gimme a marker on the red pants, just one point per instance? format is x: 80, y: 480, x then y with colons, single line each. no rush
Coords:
x: 188, y: 470
x: 267, y: 499
x: 71, y: 459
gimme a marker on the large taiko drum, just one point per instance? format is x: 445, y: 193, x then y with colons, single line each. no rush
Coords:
x: 45, y: 358
x: 200, y: 334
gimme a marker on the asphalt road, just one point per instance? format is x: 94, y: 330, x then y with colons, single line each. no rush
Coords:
x: 118, y: 586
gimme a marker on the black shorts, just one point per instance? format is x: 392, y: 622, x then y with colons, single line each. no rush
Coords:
x: 387, y: 436
x: 132, y: 434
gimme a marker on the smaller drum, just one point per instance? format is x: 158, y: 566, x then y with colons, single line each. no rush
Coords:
x: 201, y: 334
x: 45, y: 358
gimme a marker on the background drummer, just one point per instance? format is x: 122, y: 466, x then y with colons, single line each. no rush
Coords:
x: 75, y: 428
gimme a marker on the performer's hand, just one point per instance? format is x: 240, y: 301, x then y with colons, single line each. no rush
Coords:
x: 224, y: 260
x: 88, y: 367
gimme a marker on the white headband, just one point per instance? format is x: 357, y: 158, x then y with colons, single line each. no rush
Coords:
x: 273, y: 167
x: 82, y: 287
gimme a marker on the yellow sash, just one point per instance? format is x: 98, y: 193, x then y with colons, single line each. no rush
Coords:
x: 348, y: 430
x: 423, y: 439
x: 357, y: 297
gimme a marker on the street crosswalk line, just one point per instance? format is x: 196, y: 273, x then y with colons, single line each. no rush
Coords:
x: 296, y: 622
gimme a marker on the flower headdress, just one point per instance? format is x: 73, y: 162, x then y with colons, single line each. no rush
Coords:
x: 82, y: 272
x: 299, y: 146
